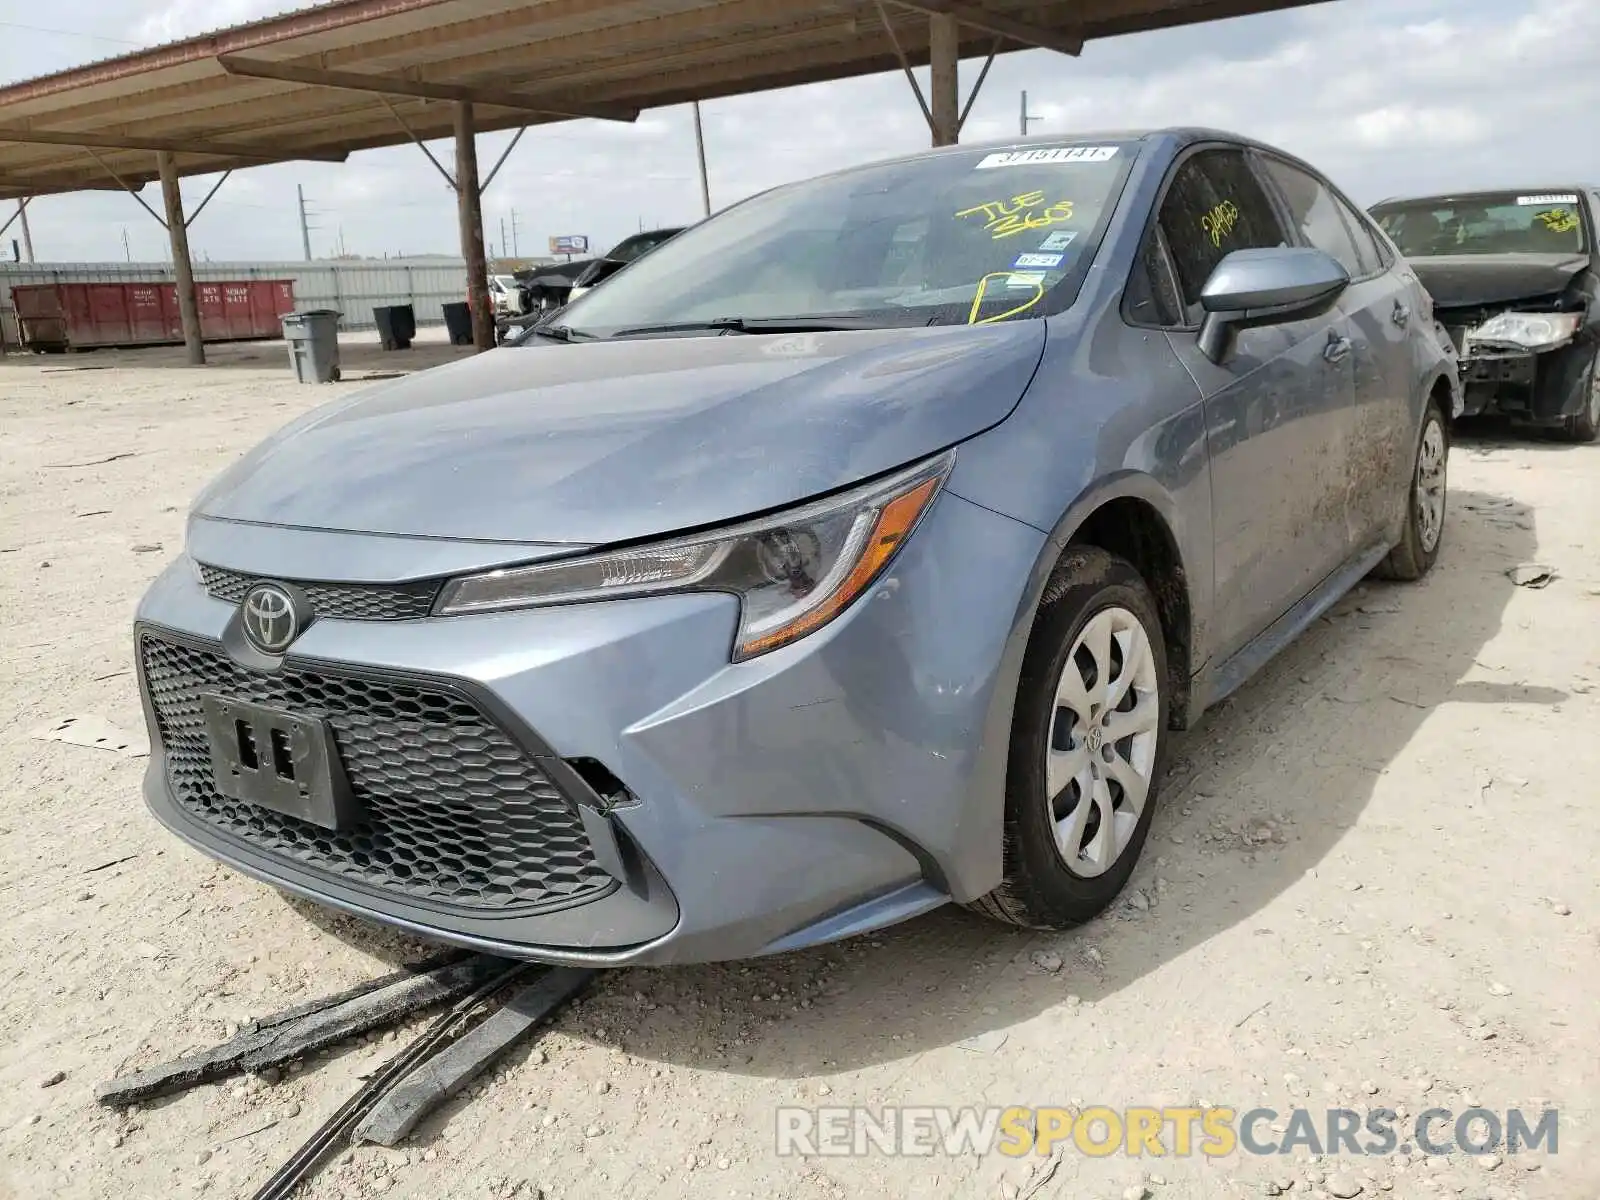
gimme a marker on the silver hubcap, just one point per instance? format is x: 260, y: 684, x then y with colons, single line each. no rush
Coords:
x: 1430, y: 485
x: 1102, y: 741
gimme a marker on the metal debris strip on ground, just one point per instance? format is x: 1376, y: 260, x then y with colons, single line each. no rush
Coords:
x: 309, y: 1027
x: 447, y: 1072
x: 532, y: 1004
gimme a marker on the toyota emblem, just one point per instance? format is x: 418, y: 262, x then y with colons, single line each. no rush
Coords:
x: 270, y: 618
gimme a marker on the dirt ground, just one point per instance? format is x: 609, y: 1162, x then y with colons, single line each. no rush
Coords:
x: 1371, y: 881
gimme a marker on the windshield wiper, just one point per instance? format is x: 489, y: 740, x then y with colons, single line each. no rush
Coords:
x: 760, y: 325
x: 561, y: 333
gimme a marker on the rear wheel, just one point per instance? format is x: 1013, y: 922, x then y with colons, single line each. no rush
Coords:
x: 1585, y: 426
x: 1418, y: 549
x: 1087, y: 745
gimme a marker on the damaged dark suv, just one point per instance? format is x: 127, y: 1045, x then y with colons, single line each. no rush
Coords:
x: 1516, y: 280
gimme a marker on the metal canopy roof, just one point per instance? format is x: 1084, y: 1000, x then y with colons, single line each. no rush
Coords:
x: 354, y: 74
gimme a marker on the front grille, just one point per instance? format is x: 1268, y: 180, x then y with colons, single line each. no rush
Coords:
x: 344, y: 601
x: 454, y: 812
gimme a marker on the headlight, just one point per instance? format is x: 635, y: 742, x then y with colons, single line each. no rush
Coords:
x: 793, y: 572
x: 1533, y: 331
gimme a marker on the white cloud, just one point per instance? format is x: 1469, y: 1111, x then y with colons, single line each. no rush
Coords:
x: 186, y: 18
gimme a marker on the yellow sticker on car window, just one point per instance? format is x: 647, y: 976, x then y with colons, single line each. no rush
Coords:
x: 1559, y: 220
x: 1012, y: 280
x: 1219, y: 222
x: 1028, y: 210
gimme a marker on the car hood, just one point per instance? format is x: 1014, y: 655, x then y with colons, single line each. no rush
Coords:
x: 1469, y: 280
x: 604, y: 442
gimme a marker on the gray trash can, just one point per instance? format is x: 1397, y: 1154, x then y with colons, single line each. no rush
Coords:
x: 313, y: 339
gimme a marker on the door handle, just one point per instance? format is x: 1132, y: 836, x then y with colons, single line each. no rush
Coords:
x: 1401, y: 314
x: 1337, y: 348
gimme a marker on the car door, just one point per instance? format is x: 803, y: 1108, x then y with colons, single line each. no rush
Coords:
x: 1278, y: 408
x: 1380, y: 306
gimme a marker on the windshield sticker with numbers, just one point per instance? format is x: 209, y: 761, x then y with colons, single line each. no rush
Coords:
x: 1046, y: 154
x: 1567, y: 199
x: 1038, y: 260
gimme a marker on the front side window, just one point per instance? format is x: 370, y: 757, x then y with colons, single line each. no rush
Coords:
x: 1315, y: 213
x: 1214, y: 206
x: 966, y: 237
x: 1499, y: 223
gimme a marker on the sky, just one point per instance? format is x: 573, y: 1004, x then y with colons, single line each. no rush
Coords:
x: 1388, y: 97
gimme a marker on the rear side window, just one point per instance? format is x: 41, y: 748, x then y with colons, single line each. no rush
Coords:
x: 1315, y: 213
x: 1214, y: 206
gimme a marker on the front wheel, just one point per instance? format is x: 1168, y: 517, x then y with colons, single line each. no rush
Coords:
x: 1585, y: 426
x: 1087, y: 745
x: 1418, y: 549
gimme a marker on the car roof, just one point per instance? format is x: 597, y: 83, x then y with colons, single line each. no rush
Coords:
x: 1478, y: 193
x: 1174, y: 137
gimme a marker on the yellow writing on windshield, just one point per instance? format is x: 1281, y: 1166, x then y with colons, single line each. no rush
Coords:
x: 1559, y: 220
x: 1219, y: 222
x: 983, y: 287
x: 1007, y: 218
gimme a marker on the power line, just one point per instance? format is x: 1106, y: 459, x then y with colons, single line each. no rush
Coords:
x: 92, y: 37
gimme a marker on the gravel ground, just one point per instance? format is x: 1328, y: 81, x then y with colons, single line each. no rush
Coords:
x: 1371, y: 881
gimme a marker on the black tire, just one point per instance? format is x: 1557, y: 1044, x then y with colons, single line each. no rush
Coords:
x: 1585, y: 426
x: 1039, y: 889
x: 1412, y: 557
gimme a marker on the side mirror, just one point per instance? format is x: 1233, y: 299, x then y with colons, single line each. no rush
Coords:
x: 1263, y: 287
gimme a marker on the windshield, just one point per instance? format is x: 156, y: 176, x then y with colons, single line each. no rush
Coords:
x: 964, y: 237
x: 1509, y: 223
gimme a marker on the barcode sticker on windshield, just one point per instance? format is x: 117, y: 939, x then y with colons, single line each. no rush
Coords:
x: 1025, y: 279
x: 1048, y: 154
x: 1569, y: 199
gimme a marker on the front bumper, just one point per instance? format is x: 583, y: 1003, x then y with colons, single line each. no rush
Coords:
x: 1541, y: 387
x: 842, y: 783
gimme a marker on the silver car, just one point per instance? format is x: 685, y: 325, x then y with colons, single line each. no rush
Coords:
x: 853, y: 553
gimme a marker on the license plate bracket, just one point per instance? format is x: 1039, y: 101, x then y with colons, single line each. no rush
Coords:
x: 279, y: 761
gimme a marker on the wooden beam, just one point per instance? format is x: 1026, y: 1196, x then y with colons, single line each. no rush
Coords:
x: 182, y: 267
x: 944, y: 57
x: 1018, y: 31
x: 394, y: 85
x: 266, y: 151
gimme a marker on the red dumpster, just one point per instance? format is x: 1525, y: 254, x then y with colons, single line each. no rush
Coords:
x: 77, y: 316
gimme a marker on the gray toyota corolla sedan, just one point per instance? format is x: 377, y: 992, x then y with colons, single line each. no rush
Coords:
x: 854, y: 552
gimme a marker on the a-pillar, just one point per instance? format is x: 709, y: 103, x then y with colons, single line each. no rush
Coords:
x: 471, y: 208
x: 182, y: 268
x: 944, y: 48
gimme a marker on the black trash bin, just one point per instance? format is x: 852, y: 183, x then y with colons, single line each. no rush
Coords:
x: 397, y: 325
x: 458, y: 323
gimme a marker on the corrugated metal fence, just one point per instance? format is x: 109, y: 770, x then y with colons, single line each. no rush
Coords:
x: 355, y: 288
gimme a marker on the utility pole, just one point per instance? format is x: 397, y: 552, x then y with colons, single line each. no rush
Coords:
x: 305, y: 229
x: 516, y: 244
x: 27, y: 234
x: 503, y: 253
x: 700, y: 152
x: 1026, y: 119
x: 127, y: 250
